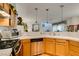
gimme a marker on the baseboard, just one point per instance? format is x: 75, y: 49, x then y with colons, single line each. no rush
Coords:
x: 49, y: 54
x: 37, y: 54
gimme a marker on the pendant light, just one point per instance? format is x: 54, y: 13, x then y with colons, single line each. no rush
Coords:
x: 35, y: 26
x: 47, y: 14
x: 61, y: 6
x: 36, y: 9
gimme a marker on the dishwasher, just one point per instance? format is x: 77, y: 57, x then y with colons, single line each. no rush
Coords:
x: 36, y: 46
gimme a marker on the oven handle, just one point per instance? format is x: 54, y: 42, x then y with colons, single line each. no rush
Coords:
x: 18, y: 49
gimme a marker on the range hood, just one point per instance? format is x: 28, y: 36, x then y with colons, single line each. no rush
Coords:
x: 4, y: 14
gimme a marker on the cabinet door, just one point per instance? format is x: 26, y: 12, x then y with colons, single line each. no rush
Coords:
x: 6, y: 7
x: 50, y: 48
x: 61, y: 48
x: 26, y: 47
x: 34, y: 46
x: 40, y: 47
x: 13, y: 19
x: 1, y: 5
x: 73, y: 53
x: 4, y: 22
x: 74, y: 48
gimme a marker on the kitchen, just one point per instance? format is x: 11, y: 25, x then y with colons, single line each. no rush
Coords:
x: 39, y: 29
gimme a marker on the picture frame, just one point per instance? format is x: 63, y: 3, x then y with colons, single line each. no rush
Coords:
x: 35, y: 27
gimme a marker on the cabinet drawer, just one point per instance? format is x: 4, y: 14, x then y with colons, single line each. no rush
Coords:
x: 61, y: 40
x: 36, y: 40
x: 60, y: 43
x: 74, y: 48
x: 74, y: 43
x: 49, y: 39
x: 25, y: 40
x: 73, y: 53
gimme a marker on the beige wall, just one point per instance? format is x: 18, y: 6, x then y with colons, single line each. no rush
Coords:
x: 73, y: 20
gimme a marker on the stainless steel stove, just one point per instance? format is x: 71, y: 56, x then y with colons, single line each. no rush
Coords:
x: 7, y: 44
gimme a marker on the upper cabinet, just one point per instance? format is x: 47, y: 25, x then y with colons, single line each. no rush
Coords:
x: 10, y: 9
x: 1, y: 4
x: 6, y: 7
x: 4, y: 22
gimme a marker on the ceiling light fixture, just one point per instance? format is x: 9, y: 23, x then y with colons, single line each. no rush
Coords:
x: 61, y: 6
x: 47, y: 14
x: 36, y: 9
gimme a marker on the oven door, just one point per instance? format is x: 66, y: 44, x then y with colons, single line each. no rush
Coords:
x: 17, y: 49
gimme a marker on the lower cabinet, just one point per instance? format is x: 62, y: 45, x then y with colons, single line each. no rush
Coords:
x: 26, y: 47
x: 74, y: 48
x: 36, y: 47
x: 58, y: 47
x: 49, y: 46
x: 61, y: 47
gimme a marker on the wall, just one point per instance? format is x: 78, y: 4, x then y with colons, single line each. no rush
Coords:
x: 29, y: 22
x: 70, y: 21
x: 73, y: 20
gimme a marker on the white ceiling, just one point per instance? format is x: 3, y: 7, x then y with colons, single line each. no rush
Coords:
x: 26, y: 10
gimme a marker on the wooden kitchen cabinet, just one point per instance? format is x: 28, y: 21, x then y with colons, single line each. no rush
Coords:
x: 61, y: 47
x: 11, y: 22
x: 73, y: 48
x: 13, y: 19
x: 49, y: 46
x: 37, y: 47
x: 40, y: 47
x: 6, y: 7
x: 1, y: 5
x: 25, y: 47
x: 4, y: 22
x: 34, y: 46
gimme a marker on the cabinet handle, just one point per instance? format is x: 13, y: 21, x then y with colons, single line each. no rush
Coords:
x: 60, y: 43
